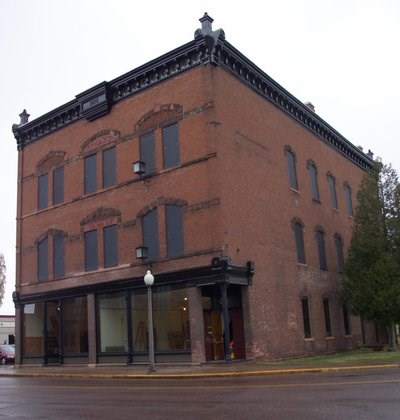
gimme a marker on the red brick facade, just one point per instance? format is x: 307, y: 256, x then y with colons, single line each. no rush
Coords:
x: 233, y: 185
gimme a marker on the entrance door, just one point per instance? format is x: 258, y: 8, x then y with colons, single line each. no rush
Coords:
x: 214, y: 339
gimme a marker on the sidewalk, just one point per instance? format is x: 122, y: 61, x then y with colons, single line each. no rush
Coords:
x: 175, y: 371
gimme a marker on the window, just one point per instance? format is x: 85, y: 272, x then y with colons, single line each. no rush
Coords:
x: 327, y: 315
x: 339, y: 252
x: 346, y: 320
x: 58, y: 185
x: 43, y: 187
x: 58, y: 255
x: 150, y: 234
x: 320, y: 238
x: 110, y: 246
x: 43, y: 261
x: 170, y: 143
x: 332, y: 191
x: 306, y: 317
x: 91, y: 262
x: 174, y: 220
x: 90, y: 174
x: 349, y: 204
x: 147, y: 152
x: 298, y: 234
x: 109, y: 176
x: 291, y: 161
x: 312, y: 170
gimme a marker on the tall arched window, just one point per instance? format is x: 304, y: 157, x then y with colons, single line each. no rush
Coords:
x: 291, y: 162
x: 312, y: 170
x: 299, y: 240
x: 349, y: 203
x: 320, y: 238
x: 332, y: 190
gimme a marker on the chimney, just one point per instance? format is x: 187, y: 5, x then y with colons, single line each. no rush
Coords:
x: 309, y: 105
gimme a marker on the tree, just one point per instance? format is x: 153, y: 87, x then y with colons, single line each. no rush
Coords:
x: 371, y: 285
x: 2, y: 277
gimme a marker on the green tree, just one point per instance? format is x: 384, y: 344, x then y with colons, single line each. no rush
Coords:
x: 2, y: 277
x: 371, y: 285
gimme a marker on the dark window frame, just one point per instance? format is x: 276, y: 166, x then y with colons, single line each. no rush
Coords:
x: 91, y: 250
x: 346, y: 320
x: 170, y: 145
x: 349, y: 201
x: 90, y: 174
x: 313, y: 173
x: 320, y: 239
x: 58, y: 185
x: 43, y: 191
x: 332, y: 191
x: 110, y: 246
x: 305, y: 306
x: 339, y: 253
x: 174, y: 230
x: 109, y: 170
x: 292, y: 171
x: 58, y: 255
x: 150, y: 234
x: 327, y: 317
x: 43, y: 259
x: 147, y: 149
x: 299, y: 241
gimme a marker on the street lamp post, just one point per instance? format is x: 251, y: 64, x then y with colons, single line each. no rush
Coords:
x: 149, y: 280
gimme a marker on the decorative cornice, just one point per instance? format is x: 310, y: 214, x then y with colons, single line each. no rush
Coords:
x: 208, y: 47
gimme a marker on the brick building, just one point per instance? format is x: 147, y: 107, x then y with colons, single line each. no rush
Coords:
x: 200, y: 167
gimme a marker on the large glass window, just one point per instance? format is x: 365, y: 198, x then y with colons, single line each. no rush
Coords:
x: 43, y: 259
x: 320, y: 238
x: 174, y: 220
x: 113, y: 322
x: 332, y: 191
x: 43, y: 187
x: 148, y: 152
x: 90, y: 174
x: 306, y: 317
x: 110, y: 246
x: 312, y: 170
x: 58, y: 185
x: 75, y: 325
x: 150, y: 234
x: 109, y: 168
x: 291, y: 161
x: 298, y: 234
x: 32, y: 330
x: 91, y: 262
x: 170, y: 142
x: 58, y: 255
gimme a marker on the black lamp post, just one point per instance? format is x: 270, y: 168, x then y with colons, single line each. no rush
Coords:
x: 149, y: 280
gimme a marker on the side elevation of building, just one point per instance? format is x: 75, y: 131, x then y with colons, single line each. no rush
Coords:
x: 201, y: 168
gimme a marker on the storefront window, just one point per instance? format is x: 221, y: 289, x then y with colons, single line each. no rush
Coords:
x: 112, y: 317
x: 75, y: 326
x: 32, y: 341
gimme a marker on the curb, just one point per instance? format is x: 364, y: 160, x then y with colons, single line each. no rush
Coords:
x: 197, y: 375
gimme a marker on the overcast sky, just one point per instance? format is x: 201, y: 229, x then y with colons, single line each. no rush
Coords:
x: 342, y: 55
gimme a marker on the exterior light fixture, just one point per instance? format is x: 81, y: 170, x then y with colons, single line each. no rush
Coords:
x: 149, y: 280
x: 139, y: 167
x: 141, y: 252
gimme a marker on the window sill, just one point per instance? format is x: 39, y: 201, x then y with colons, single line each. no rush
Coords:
x: 331, y: 337
x: 309, y: 339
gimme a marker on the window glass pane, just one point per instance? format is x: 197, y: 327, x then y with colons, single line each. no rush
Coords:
x: 327, y: 315
x: 306, y: 317
x: 90, y: 174
x: 298, y: 233
x: 53, y: 339
x: 150, y: 234
x: 321, y: 250
x: 32, y: 329
x: 346, y: 320
x: 58, y: 255
x: 58, y: 185
x: 174, y: 219
x: 171, y: 319
x: 43, y: 186
x: 147, y: 152
x: 170, y: 146
x: 312, y: 170
x: 139, y: 320
x: 75, y: 325
x: 110, y: 246
x: 339, y: 254
x: 43, y: 259
x: 109, y: 176
x: 292, y: 170
x: 332, y: 191
x: 113, y: 322
x: 91, y: 250
x: 349, y: 203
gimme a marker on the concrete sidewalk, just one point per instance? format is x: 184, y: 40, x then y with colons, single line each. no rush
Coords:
x: 175, y: 371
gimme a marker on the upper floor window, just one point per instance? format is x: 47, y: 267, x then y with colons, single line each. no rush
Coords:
x: 291, y: 161
x: 43, y: 188
x: 148, y: 152
x: 53, y: 244
x: 91, y: 261
x: 306, y: 317
x: 90, y: 174
x: 58, y: 185
x: 109, y: 168
x: 299, y: 239
x: 349, y: 203
x: 320, y: 238
x: 312, y: 170
x: 174, y: 221
x: 170, y: 141
x: 110, y: 242
x: 327, y: 316
x: 332, y: 190
x: 43, y: 259
x: 150, y: 234
x: 58, y: 255
x: 339, y: 252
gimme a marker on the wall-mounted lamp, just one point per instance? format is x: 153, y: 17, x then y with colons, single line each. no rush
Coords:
x: 141, y: 252
x: 139, y: 167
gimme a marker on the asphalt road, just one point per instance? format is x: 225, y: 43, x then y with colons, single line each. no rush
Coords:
x: 348, y: 395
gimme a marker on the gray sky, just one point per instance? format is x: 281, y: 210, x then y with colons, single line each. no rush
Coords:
x: 342, y: 55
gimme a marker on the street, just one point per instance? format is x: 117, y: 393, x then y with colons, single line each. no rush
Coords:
x: 346, y: 395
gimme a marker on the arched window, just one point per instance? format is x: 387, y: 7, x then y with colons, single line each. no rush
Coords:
x: 332, y: 190
x: 312, y: 170
x: 349, y: 203
x: 339, y: 252
x: 299, y: 240
x: 320, y: 239
x: 306, y: 317
x: 291, y: 162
